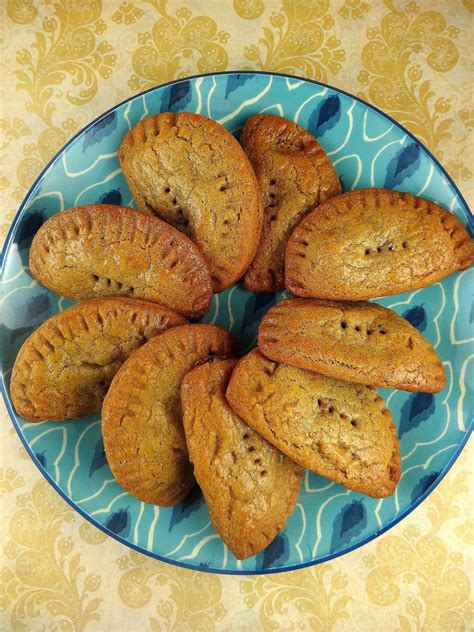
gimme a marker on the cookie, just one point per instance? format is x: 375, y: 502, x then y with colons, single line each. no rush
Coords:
x: 358, y: 342
x: 141, y: 417
x: 192, y: 173
x: 295, y: 175
x: 374, y: 242
x: 64, y: 368
x: 250, y: 487
x: 105, y: 250
x: 340, y: 430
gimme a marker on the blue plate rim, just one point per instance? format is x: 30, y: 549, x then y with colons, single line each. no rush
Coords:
x: 47, y: 476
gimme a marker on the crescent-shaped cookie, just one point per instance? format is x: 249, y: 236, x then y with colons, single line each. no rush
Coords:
x: 191, y: 172
x: 250, y: 487
x: 358, y: 342
x: 340, y: 430
x: 295, y: 175
x: 142, y: 421
x: 374, y: 242
x: 106, y: 250
x: 65, y: 367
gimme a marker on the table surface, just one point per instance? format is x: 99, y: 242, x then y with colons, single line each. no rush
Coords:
x: 65, y: 62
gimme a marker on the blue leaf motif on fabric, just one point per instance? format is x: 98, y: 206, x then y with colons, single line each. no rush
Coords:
x: 256, y: 306
x: 111, y: 197
x: 402, y: 165
x: 19, y: 332
x: 100, y: 130
x: 190, y: 504
x: 423, y: 485
x: 176, y: 97
x: 276, y: 551
x: 416, y: 316
x: 417, y: 408
x: 41, y: 458
x: 119, y: 522
x: 348, y: 524
x: 235, y: 81
x: 99, y: 459
x: 325, y: 116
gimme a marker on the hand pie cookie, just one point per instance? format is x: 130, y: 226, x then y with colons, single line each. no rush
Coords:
x: 64, y: 368
x: 295, y: 175
x: 358, y: 342
x: 142, y: 418
x: 192, y: 173
x: 340, y: 430
x: 105, y: 250
x: 374, y: 242
x: 250, y: 487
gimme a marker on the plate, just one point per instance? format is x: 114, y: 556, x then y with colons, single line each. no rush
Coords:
x: 368, y: 149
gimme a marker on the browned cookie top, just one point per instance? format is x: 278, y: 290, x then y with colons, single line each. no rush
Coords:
x: 340, y: 430
x: 142, y: 417
x: 64, y: 368
x: 105, y: 250
x: 192, y: 173
x: 295, y: 175
x: 374, y: 242
x: 250, y: 487
x: 359, y: 342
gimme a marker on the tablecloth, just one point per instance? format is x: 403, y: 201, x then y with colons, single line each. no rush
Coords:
x: 63, y: 62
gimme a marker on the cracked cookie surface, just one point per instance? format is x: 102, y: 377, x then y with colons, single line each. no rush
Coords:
x: 340, y: 430
x: 295, y: 175
x: 250, y: 487
x: 65, y: 367
x: 191, y: 172
x: 358, y: 342
x: 142, y: 422
x: 374, y: 242
x: 106, y: 250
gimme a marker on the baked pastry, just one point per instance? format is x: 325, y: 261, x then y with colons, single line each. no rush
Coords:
x: 250, y: 487
x: 191, y: 172
x: 340, y: 430
x: 64, y: 368
x: 295, y: 175
x: 374, y: 242
x: 142, y: 419
x: 105, y: 250
x: 358, y: 342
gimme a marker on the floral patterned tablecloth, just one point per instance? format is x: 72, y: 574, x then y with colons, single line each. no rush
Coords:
x: 63, y: 62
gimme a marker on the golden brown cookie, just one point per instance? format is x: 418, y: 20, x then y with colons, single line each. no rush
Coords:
x: 358, y: 342
x: 64, y: 368
x: 374, y: 242
x: 142, y: 419
x: 105, y: 250
x: 250, y: 487
x: 192, y: 173
x: 340, y: 430
x: 295, y: 175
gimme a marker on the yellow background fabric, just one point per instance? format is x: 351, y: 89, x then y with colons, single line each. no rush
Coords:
x: 63, y: 62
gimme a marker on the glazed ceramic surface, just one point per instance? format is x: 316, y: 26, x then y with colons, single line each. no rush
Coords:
x: 368, y: 149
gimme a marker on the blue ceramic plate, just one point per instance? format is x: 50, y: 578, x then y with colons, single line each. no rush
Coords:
x: 368, y: 149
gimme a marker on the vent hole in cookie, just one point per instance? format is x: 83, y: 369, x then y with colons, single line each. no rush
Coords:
x: 273, y: 181
x: 174, y: 202
x: 367, y: 251
x: 369, y: 332
x: 331, y: 410
x: 379, y: 249
x: 95, y: 278
x: 273, y: 218
x: 405, y: 245
x: 343, y: 324
x: 320, y: 403
x: 272, y: 195
x: 250, y: 448
x: 167, y: 190
x: 246, y: 436
x: 223, y: 187
x: 263, y: 473
x: 354, y: 423
x: 383, y: 332
x: 410, y: 343
x: 391, y: 247
x: 257, y: 461
x: 227, y: 222
x: 357, y: 327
